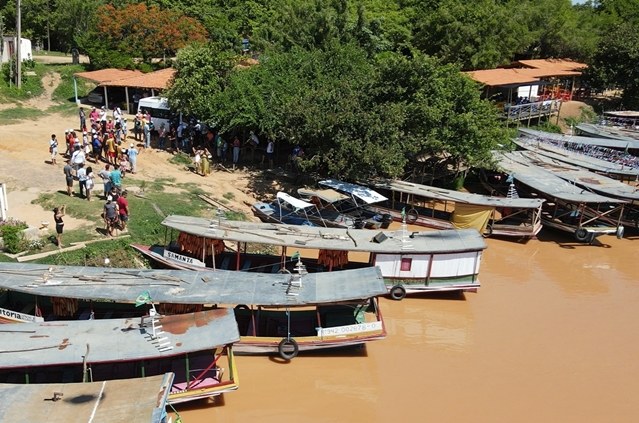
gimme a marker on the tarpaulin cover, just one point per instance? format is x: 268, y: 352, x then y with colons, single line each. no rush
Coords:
x: 469, y: 216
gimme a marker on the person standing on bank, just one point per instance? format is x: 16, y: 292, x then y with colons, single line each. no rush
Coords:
x: 123, y: 210
x: 68, y: 176
x: 53, y: 149
x: 58, y: 213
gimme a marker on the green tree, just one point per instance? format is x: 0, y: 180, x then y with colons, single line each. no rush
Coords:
x: 615, y: 63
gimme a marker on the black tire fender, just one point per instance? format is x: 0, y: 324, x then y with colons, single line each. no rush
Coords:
x: 284, y: 346
x: 241, y: 307
x: 581, y: 235
x: 398, y: 292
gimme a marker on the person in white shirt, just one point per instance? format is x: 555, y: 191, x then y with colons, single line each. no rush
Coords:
x: 270, y: 150
x: 78, y: 157
x: 53, y: 149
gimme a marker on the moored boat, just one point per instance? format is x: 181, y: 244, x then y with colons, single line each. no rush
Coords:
x: 277, y: 313
x: 567, y: 208
x: 193, y: 346
x: 441, y: 208
x: 410, y: 262
x: 142, y: 400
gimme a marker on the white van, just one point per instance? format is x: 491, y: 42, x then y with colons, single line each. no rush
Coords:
x: 159, y: 109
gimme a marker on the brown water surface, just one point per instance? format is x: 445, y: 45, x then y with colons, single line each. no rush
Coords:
x: 551, y: 336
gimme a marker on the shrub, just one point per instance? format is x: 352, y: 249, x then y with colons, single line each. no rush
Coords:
x: 11, y: 231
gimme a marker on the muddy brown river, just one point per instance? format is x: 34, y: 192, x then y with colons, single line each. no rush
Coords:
x: 551, y: 336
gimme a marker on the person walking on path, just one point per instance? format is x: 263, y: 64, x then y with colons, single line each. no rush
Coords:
x: 53, y: 149
x: 58, y: 214
x: 68, y: 176
x: 162, y: 133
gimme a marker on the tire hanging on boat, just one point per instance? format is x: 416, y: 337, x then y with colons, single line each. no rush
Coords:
x: 398, y: 292
x: 411, y: 216
x: 283, y: 349
x: 241, y: 307
x: 581, y: 235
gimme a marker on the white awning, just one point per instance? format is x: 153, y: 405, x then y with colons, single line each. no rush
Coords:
x: 367, y: 195
x: 295, y: 202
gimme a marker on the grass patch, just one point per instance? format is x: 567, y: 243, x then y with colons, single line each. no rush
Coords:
x: 549, y: 127
x: 8, y: 116
x: 232, y: 215
x: 6, y: 259
x: 144, y: 226
x: 181, y: 159
x: 51, y: 53
x: 229, y: 195
x: 31, y: 85
x: 65, y: 91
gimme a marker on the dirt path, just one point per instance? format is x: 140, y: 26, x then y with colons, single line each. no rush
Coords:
x: 50, y: 81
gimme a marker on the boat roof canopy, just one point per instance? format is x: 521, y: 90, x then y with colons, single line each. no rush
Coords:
x: 545, y: 182
x: 297, y: 236
x: 457, y: 196
x: 295, y: 202
x: 144, y: 398
x: 593, y: 181
x: 630, y: 114
x: 191, y: 287
x: 367, y: 195
x: 578, y: 139
x: 539, y: 146
x: 113, y: 340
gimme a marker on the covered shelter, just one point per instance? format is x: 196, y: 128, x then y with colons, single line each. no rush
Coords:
x: 530, y: 89
x: 124, y: 80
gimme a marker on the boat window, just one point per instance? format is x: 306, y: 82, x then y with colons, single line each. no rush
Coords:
x: 406, y: 264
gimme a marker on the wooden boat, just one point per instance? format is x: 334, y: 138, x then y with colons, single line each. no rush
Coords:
x: 593, y: 182
x: 613, y: 163
x: 193, y: 346
x: 141, y: 400
x: 347, y: 205
x: 567, y: 207
x: 277, y: 313
x: 441, y: 208
x: 293, y: 211
x: 610, y: 132
x: 410, y: 262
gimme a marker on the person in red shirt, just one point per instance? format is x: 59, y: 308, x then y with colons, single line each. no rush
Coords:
x: 123, y: 205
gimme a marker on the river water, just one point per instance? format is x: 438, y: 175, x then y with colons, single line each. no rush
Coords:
x: 551, y: 336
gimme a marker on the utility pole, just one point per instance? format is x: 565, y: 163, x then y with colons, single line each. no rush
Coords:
x: 18, y: 46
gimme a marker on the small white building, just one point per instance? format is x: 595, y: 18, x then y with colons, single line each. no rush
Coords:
x: 8, y: 48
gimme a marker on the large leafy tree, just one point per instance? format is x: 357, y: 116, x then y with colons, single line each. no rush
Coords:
x: 355, y: 116
x: 615, y: 63
x: 138, y: 31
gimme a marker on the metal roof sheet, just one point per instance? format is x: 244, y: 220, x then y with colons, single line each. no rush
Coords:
x: 545, y: 182
x: 505, y: 77
x: 595, y: 182
x: 607, y: 134
x: 538, y: 145
x: 113, y: 340
x: 555, y: 65
x: 190, y: 287
x: 367, y: 195
x: 457, y: 196
x: 602, y: 142
x: 424, y: 242
x: 128, y: 400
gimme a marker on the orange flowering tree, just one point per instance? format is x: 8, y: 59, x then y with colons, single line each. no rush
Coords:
x: 146, y: 32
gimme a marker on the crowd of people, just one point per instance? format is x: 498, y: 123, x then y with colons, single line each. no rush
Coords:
x: 102, y: 142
